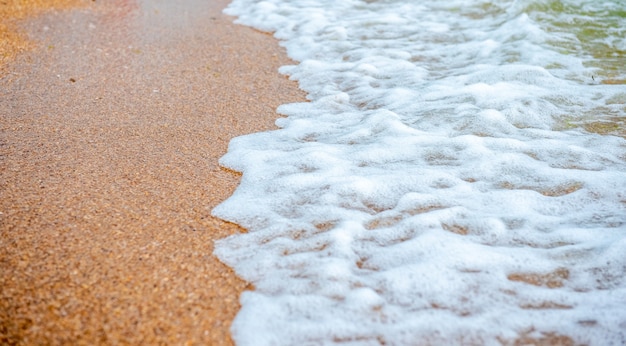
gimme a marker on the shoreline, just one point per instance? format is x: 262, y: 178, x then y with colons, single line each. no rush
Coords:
x: 114, y: 124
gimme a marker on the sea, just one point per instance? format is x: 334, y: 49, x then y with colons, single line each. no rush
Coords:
x: 457, y: 176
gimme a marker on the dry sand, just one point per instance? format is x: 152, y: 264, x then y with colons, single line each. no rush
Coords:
x: 110, y: 134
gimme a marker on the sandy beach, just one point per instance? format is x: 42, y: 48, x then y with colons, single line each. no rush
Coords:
x: 111, y: 128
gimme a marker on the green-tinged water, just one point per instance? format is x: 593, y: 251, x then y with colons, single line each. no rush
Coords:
x: 594, y: 31
x: 582, y: 40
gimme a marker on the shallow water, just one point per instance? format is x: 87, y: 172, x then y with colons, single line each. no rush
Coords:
x: 459, y: 176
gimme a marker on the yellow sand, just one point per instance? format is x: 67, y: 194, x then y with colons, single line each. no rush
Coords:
x: 111, y: 129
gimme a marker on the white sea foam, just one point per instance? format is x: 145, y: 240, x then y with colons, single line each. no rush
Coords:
x: 443, y: 185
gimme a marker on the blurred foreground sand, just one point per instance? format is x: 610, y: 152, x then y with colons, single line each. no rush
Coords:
x: 11, y: 11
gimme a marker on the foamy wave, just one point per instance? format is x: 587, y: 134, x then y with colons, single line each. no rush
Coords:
x: 442, y: 186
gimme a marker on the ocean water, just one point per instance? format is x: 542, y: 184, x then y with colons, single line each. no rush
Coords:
x: 458, y: 176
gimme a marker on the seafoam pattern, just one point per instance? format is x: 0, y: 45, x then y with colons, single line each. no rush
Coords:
x: 440, y: 186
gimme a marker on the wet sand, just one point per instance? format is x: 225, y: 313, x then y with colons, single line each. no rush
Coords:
x: 12, y: 42
x: 110, y: 133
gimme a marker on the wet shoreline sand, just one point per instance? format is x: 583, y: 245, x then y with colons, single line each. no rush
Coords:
x: 110, y: 135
